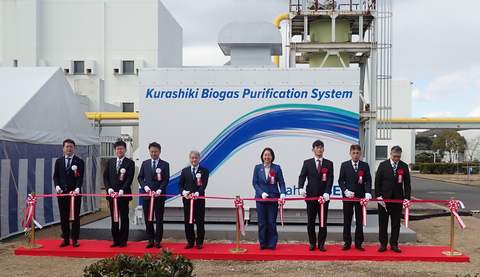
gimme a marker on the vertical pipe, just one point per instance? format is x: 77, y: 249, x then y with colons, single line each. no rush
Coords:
x: 372, y: 125
x: 452, y: 230
x: 360, y: 28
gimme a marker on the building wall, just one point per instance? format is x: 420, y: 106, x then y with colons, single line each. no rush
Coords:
x: 103, y: 33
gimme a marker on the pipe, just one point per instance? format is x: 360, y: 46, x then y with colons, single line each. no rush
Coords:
x: 106, y: 115
x: 283, y: 16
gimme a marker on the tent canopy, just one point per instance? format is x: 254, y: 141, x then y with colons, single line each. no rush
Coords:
x: 38, y: 106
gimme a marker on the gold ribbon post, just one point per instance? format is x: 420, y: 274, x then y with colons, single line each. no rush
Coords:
x: 452, y: 252
x: 32, y: 244
x: 238, y: 249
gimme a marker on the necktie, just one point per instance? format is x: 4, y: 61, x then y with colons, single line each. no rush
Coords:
x: 395, y: 170
x: 193, y: 173
x: 118, y: 165
x: 356, y: 167
x: 319, y: 165
x: 68, y: 162
x: 153, y: 167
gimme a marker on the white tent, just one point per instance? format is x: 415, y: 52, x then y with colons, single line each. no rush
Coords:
x: 38, y: 111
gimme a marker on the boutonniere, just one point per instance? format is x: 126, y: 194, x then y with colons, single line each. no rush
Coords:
x: 122, y: 174
x: 400, y: 176
x: 75, y: 171
x: 199, y: 180
x: 324, y: 175
x: 360, y: 177
x: 272, y: 177
x: 159, y: 174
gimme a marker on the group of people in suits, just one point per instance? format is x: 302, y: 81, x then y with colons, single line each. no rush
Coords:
x: 392, y: 181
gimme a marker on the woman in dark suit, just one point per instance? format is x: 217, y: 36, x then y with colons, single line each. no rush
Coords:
x: 268, y: 183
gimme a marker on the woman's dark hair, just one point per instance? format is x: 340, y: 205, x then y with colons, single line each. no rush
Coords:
x: 271, y: 152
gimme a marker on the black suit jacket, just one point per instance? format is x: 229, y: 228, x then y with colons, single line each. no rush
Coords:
x: 348, y: 178
x: 111, y: 178
x: 387, y: 186
x: 148, y: 178
x: 187, y: 182
x: 65, y: 178
x: 316, y: 187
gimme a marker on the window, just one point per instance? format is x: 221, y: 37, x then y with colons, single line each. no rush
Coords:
x: 128, y: 107
x: 128, y: 68
x: 15, y: 63
x: 79, y: 67
x: 381, y: 152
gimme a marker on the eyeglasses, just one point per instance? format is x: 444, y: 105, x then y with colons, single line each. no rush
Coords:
x: 396, y: 156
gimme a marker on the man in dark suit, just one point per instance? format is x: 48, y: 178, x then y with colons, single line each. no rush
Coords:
x: 392, y: 181
x: 192, y: 183
x: 68, y: 177
x: 319, y: 173
x: 153, y: 177
x: 118, y: 178
x: 356, y: 182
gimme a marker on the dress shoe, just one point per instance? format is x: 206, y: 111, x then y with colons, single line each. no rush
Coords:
x: 346, y: 247
x: 271, y: 248
x: 395, y: 248
x: 263, y: 247
x: 123, y: 244
x: 322, y: 248
x: 312, y: 247
x: 382, y: 248
x: 75, y: 243
x: 64, y: 243
x: 114, y: 244
x: 150, y: 244
x: 199, y: 246
x: 188, y: 246
x: 359, y: 247
x: 158, y: 245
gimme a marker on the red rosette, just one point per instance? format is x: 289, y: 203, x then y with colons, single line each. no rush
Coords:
x: 360, y: 177
x: 324, y: 175
x: 400, y: 176
x: 272, y: 177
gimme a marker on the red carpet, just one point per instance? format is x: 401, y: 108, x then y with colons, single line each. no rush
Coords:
x: 293, y: 252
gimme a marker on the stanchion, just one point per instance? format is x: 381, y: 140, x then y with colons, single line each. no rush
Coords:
x: 32, y: 244
x: 452, y: 252
x: 238, y: 249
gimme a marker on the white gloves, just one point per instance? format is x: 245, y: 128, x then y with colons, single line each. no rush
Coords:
x: 110, y: 191
x: 197, y: 194
x: 147, y: 189
x: 159, y: 191
x: 349, y: 194
x: 302, y: 192
x: 185, y: 193
x: 77, y: 190
x: 368, y: 196
x: 59, y: 190
x: 264, y: 195
x: 120, y: 192
x: 381, y: 202
x: 326, y: 196
x: 282, y: 196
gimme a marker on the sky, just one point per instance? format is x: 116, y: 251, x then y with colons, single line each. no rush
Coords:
x: 435, y: 44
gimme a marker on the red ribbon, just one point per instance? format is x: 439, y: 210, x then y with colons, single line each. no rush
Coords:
x: 151, y: 209
x: 122, y: 174
x: 114, y: 196
x: 31, y: 202
x: 281, y: 203
x: 192, y: 196
x: 76, y: 173
x: 272, y: 177
x: 241, y: 222
x: 322, y: 201
x: 72, y: 204
x: 159, y: 174
x: 400, y: 176
x: 454, y: 206
x: 364, y: 203
x: 360, y: 177
x: 324, y: 177
x: 406, y: 206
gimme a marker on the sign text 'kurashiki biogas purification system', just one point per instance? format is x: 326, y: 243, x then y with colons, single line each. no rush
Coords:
x: 230, y: 115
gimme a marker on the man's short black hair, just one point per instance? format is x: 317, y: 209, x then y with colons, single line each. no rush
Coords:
x: 154, y: 144
x: 396, y: 149
x: 69, y: 141
x: 271, y: 152
x: 119, y: 143
x: 317, y: 143
x: 355, y: 147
